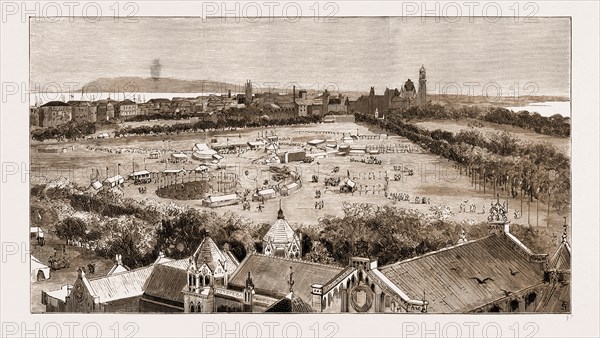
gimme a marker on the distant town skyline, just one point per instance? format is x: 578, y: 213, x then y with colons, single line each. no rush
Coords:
x: 352, y: 54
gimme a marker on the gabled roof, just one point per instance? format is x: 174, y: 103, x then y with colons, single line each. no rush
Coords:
x: 125, y: 284
x: 290, y: 303
x: 208, y: 252
x: 271, y: 275
x: 448, y: 276
x: 166, y: 282
x: 117, y: 268
x: 120, y: 285
x: 114, y: 179
x: 203, y: 148
x: 561, y: 260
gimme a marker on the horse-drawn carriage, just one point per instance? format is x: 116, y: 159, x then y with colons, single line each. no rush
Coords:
x: 348, y: 187
x: 59, y: 262
x: 332, y: 181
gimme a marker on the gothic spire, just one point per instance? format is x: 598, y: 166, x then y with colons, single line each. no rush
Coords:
x: 280, y: 212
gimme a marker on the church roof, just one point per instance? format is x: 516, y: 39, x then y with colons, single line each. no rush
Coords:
x: 208, y: 252
x: 448, y: 276
x: 561, y: 260
x: 291, y: 303
x: 120, y: 285
x: 125, y: 284
x: 280, y: 231
x: 166, y: 282
x: 117, y: 268
x: 271, y: 275
x: 555, y: 298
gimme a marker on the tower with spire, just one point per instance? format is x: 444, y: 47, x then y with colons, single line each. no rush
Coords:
x: 281, y: 240
x: 207, y: 267
x: 248, y: 92
x: 422, y: 95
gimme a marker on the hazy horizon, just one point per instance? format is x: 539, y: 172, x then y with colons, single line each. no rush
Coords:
x: 353, y: 53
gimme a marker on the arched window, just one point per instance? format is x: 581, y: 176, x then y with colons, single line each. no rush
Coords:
x: 530, y: 298
x: 199, y: 307
x: 192, y: 307
x: 514, y: 305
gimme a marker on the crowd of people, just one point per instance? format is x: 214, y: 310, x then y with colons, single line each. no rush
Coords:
x: 472, y: 208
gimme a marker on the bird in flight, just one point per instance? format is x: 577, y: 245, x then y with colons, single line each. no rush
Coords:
x: 482, y: 281
x: 513, y: 273
x: 506, y: 292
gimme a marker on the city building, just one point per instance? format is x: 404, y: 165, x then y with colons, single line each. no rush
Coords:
x: 54, y: 113
x: 34, y: 116
x: 407, y: 96
x: 83, y: 111
x: 126, y: 109
x: 105, y: 110
x: 337, y: 105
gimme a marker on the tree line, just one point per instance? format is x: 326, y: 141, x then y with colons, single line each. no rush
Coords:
x: 555, y: 125
x: 69, y: 131
x: 222, y: 122
x: 537, y: 171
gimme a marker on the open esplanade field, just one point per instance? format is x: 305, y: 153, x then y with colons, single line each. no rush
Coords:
x: 433, y: 177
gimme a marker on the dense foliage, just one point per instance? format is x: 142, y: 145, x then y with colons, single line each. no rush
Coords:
x: 555, y: 125
x: 115, y: 225
x: 70, y: 131
x: 222, y: 121
x: 536, y: 170
x: 71, y: 228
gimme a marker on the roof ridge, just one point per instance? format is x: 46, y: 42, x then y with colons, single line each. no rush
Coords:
x: 120, y: 273
x: 300, y: 260
x: 435, y: 252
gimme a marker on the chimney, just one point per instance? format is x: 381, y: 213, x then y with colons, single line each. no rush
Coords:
x: 317, y: 297
x: 229, y: 93
x: 294, y: 93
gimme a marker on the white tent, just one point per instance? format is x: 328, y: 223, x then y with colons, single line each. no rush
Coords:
x: 39, y: 270
x: 96, y: 185
x: 36, y: 232
x: 203, y: 148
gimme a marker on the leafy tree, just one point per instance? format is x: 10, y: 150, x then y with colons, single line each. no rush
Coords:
x: 71, y: 228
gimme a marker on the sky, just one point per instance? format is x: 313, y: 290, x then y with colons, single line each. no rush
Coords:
x: 351, y: 54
